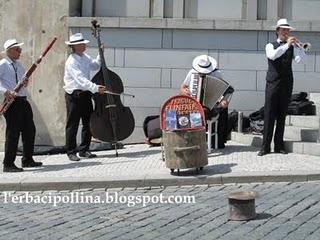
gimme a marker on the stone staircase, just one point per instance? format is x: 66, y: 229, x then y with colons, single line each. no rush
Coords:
x: 302, y: 133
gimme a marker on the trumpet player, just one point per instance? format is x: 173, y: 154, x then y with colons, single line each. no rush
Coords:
x: 279, y: 84
x: 19, y: 116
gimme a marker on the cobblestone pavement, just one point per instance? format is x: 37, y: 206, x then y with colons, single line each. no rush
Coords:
x: 285, y: 211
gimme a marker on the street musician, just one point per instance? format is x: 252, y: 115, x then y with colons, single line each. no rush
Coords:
x: 279, y: 85
x: 205, y: 65
x: 19, y: 116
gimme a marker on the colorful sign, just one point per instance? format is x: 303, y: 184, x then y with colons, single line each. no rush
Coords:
x: 181, y: 113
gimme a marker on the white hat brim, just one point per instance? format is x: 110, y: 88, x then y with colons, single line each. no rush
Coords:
x: 287, y: 27
x: 206, y: 70
x: 76, y: 43
x: 15, y: 45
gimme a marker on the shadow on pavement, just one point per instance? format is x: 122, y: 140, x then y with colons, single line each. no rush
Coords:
x: 59, y: 167
x: 262, y: 216
x: 207, y: 170
x: 141, y: 153
x: 229, y: 149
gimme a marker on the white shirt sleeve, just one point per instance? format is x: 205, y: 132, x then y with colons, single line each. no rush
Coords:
x: 80, y: 78
x: 188, y: 78
x: 299, y: 55
x: 273, y: 54
x: 2, y: 89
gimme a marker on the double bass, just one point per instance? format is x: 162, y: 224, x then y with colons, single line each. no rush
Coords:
x: 110, y: 121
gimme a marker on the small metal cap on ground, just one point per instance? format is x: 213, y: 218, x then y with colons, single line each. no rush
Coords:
x: 242, y: 205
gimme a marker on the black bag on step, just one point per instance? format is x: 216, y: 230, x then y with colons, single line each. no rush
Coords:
x: 299, y: 97
x: 301, y: 108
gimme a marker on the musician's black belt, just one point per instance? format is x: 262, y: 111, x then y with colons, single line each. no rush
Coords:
x: 77, y: 92
x: 21, y: 98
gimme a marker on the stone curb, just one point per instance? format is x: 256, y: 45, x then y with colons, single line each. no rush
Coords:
x: 161, y: 180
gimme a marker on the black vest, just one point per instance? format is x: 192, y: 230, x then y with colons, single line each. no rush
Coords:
x: 280, y: 70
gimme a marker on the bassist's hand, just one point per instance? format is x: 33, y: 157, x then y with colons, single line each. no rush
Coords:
x: 102, y: 47
x: 101, y: 89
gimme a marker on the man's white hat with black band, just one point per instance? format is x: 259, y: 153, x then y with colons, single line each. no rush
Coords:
x: 204, y: 64
x: 283, y: 23
x: 11, y: 43
x: 75, y: 39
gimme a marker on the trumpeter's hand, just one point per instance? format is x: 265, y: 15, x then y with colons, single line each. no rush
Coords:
x: 291, y: 41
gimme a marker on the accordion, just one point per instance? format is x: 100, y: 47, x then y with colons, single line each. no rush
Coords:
x: 209, y: 90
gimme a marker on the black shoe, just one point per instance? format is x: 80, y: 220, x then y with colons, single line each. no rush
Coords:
x: 73, y: 157
x: 221, y: 146
x: 282, y: 151
x: 87, y: 154
x: 12, y: 168
x: 32, y: 163
x: 263, y: 152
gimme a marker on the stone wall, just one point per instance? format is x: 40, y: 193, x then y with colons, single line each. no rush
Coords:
x: 35, y: 23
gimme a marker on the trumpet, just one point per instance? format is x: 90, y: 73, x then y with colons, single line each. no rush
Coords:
x: 303, y: 46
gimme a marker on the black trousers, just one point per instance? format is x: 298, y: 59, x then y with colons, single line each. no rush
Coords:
x: 275, y: 109
x: 79, y: 106
x: 19, y: 119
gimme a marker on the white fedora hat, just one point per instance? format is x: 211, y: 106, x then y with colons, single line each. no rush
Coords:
x: 75, y: 39
x: 283, y: 23
x: 10, y: 43
x: 204, y: 64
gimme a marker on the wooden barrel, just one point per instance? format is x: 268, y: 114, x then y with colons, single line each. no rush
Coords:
x: 185, y: 149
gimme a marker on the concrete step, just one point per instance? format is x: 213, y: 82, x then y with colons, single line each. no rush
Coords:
x: 301, y: 134
x: 317, y: 109
x: 308, y: 148
x: 314, y: 97
x: 303, y: 121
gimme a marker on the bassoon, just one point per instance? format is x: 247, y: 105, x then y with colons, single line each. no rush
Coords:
x: 6, y: 103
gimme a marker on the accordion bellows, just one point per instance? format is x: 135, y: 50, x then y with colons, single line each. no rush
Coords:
x: 209, y: 90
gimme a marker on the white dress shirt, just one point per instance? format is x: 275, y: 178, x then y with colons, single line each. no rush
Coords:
x: 8, y: 76
x: 298, y: 54
x: 77, y: 73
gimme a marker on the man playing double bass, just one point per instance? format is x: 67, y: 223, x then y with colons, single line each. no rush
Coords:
x: 79, y: 89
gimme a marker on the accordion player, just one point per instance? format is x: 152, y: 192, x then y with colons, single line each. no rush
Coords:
x: 205, y: 82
